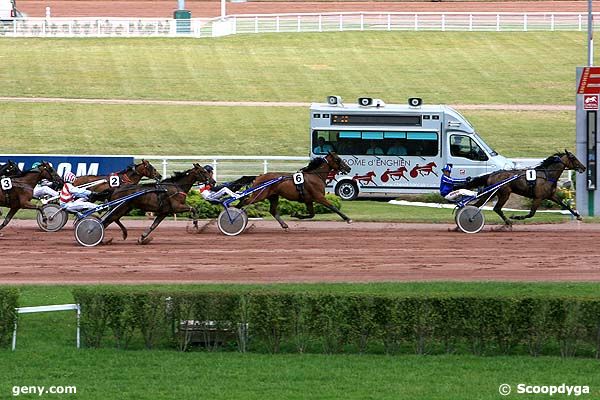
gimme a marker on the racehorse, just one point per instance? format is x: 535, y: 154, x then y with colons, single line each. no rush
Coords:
x: 131, y: 175
x: 10, y: 169
x: 315, y: 174
x: 21, y: 193
x: 542, y: 188
x: 170, y: 199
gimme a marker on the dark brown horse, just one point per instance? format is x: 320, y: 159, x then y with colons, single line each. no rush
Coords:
x: 313, y: 189
x: 131, y: 175
x: 21, y: 193
x: 542, y: 188
x: 170, y: 199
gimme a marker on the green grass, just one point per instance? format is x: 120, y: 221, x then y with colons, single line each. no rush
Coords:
x: 188, y: 130
x: 441, y: 67
x: 46, y: 356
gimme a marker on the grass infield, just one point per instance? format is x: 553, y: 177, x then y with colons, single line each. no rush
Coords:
x: 46, y: 343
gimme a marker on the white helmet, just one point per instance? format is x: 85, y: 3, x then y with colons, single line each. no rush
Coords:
x: 69, y: 177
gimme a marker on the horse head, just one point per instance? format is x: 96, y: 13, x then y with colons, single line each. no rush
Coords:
x: 11, y: 168
x: 336, y: 163
x: 202, y: 175
x: 571, y: 162
x: 146, y: 169
x: 47, y: 172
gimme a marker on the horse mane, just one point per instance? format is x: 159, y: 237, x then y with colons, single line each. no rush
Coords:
x: 176, y: 176
x: 550, y: 160
x: 314, y: 164
x: 129, y: 167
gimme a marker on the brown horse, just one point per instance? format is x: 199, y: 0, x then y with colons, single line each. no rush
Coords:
x: 315, y: 174
x: 169, y: 199
x: 542, y: 188
x: 131, y: 175
x: 21, y: 193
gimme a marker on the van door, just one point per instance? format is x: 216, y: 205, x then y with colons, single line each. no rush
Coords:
x: 466, y: 155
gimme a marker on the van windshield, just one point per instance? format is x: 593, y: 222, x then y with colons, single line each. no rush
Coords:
x: 487, y: 148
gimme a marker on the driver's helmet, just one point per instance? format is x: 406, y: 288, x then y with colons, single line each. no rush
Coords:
x: 447, y: 168
x: 209, y: 168
x: 36, y: 165
x: 69, y: 177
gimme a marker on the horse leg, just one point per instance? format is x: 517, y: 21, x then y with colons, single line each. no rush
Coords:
x: 322, y: 200
x: 565, y: 206
x: 274, y: 201
x: 123, y: 229
x: 534, y: 206
x: 11, y: 213
x: 311, y: 211
x: 144, y: 238
x: 502, y: 199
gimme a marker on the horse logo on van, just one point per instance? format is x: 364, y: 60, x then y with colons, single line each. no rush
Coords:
x: 423, y: 170
x: 365, y: 179
x: 394, y: 175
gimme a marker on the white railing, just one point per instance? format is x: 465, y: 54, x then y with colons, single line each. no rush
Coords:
x: 287, y: 23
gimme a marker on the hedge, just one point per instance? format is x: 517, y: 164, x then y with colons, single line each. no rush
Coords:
x: 8, y: 302
x: 332, y: 323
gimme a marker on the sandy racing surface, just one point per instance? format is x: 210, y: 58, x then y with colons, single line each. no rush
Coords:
x: 209, y: 9
x: 309, y: 252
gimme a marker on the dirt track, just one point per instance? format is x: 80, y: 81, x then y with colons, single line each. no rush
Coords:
x: 309, y: 252
x: 209, y: 9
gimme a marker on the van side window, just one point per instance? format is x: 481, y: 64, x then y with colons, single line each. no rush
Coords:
x: 464, y: 146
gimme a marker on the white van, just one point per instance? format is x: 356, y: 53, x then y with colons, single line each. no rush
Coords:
x: 397, y: 149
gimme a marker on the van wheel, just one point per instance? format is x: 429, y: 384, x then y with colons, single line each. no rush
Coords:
x: 347, y: 190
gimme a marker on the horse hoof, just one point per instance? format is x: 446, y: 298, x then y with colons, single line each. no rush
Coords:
x: 348, y: 221
x: 579, y: 218
x: 455, y: 229
x: 144, y: 241
x: 107, y: 242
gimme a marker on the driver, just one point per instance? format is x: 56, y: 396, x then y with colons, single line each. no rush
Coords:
x: 214, y: 193
x: 448, y: 184
x: 72, y: 198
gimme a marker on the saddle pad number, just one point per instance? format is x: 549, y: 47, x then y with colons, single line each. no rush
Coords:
x: 114, y: 181
x: 530, y: 175
x: 298, y: 178
x: 6, y: 183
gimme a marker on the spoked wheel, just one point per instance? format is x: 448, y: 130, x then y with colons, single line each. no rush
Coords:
x: 232, y: 221
x: 89, y: 231
x: 470, y: 219
x: 55, y: 217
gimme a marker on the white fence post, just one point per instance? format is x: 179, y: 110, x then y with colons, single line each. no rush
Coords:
x: 470, y: 22
x: 443, y: 22
x: 389, y: 27
x: 362, y: 22
x: 341, y: 23
x: 525, y: 22
x: 265, y: 166
x: 579, y: 22
x: 416, y: 22
x: 256, y: 24
x: 165, y: 163
x: 277, y: 24
x: 497, y: 22
x: 320, y: 23
x: 552, y: 22
x: 299, y: 28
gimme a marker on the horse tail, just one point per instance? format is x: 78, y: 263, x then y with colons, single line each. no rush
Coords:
x: 236, y: 185
x: 478, y: 181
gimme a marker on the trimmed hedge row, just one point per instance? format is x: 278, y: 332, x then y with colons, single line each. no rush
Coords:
x: 333, y: 323
x: 9, y: 300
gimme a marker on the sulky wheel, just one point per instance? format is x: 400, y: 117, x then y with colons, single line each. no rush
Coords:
x: 232, y: 221
x: 89, y: 231
x: 55, y: 216
x: 470, y: 219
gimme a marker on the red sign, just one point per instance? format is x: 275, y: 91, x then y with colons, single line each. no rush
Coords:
x: 590, y: 81
x: 590, y: 102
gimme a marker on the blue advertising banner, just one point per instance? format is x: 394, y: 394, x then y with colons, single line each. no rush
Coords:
x: 79, y: 165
